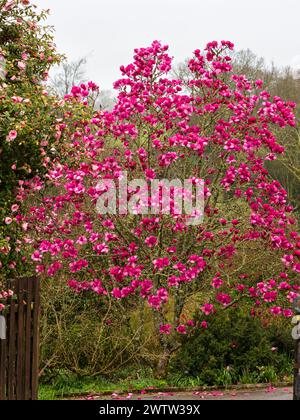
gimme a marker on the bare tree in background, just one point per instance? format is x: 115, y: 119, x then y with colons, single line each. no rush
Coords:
x: 105, y: 100
x: 283, y: 82
x: 69, y: 74
x: 74, y: 73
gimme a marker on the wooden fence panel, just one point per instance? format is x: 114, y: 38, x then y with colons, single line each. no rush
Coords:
x: 19, y: 353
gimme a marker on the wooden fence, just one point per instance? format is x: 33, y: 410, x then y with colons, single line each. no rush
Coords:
x: 19, y: 352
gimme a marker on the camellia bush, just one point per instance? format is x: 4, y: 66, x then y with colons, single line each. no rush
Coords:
x: 4, y: 296
x: 214, y: 127
x: 28, y: 113
x: 27, y: 52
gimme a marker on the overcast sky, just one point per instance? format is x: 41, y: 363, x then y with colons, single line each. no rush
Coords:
x: 107, y: 31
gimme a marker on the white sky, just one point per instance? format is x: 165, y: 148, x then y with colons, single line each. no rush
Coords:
x: 107, y: 31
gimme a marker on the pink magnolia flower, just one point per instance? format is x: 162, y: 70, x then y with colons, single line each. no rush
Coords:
x: 217, y: 282
x: 165, y: 329
x: 150, y: 174
x: 276, y: 310
x: 181, y: 329
x: 224, y: 298
x: 151, y: 241
x: 161, y: 263
x: 204, y: 325
x: 287, y: 313
x: 158, y: 299
x: 207, y: 308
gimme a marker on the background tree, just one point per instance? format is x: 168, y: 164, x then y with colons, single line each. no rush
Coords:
x: 282, y: 82
x: 69, y: 74
x: 74, y: 74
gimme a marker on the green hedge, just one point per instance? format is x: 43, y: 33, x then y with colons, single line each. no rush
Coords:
x: 236, y: 348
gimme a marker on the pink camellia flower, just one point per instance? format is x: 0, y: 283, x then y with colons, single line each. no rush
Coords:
x: 14, y: 208
x: 9, y: 5
x: 17, y: 99
x: 25, y: 226
x: 1, y: 307
x: 12, y: 135
x: 8, y: 220
x: 21, y: 65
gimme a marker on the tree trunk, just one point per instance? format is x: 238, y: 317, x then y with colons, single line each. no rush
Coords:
x: 161, y: 368
x: 168, y: 345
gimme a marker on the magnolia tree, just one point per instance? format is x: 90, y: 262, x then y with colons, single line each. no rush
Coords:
x: 100, y: 219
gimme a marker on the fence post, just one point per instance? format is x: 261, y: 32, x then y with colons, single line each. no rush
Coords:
x: 19, y: 352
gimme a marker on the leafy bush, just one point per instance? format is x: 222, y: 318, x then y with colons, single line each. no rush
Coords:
x: 84, y: 337
x: 236, y: 348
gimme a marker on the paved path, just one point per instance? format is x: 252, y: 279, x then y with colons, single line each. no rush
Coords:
x: 269, y: 393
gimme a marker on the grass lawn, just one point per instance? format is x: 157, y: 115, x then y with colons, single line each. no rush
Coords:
x: 69, y: 386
